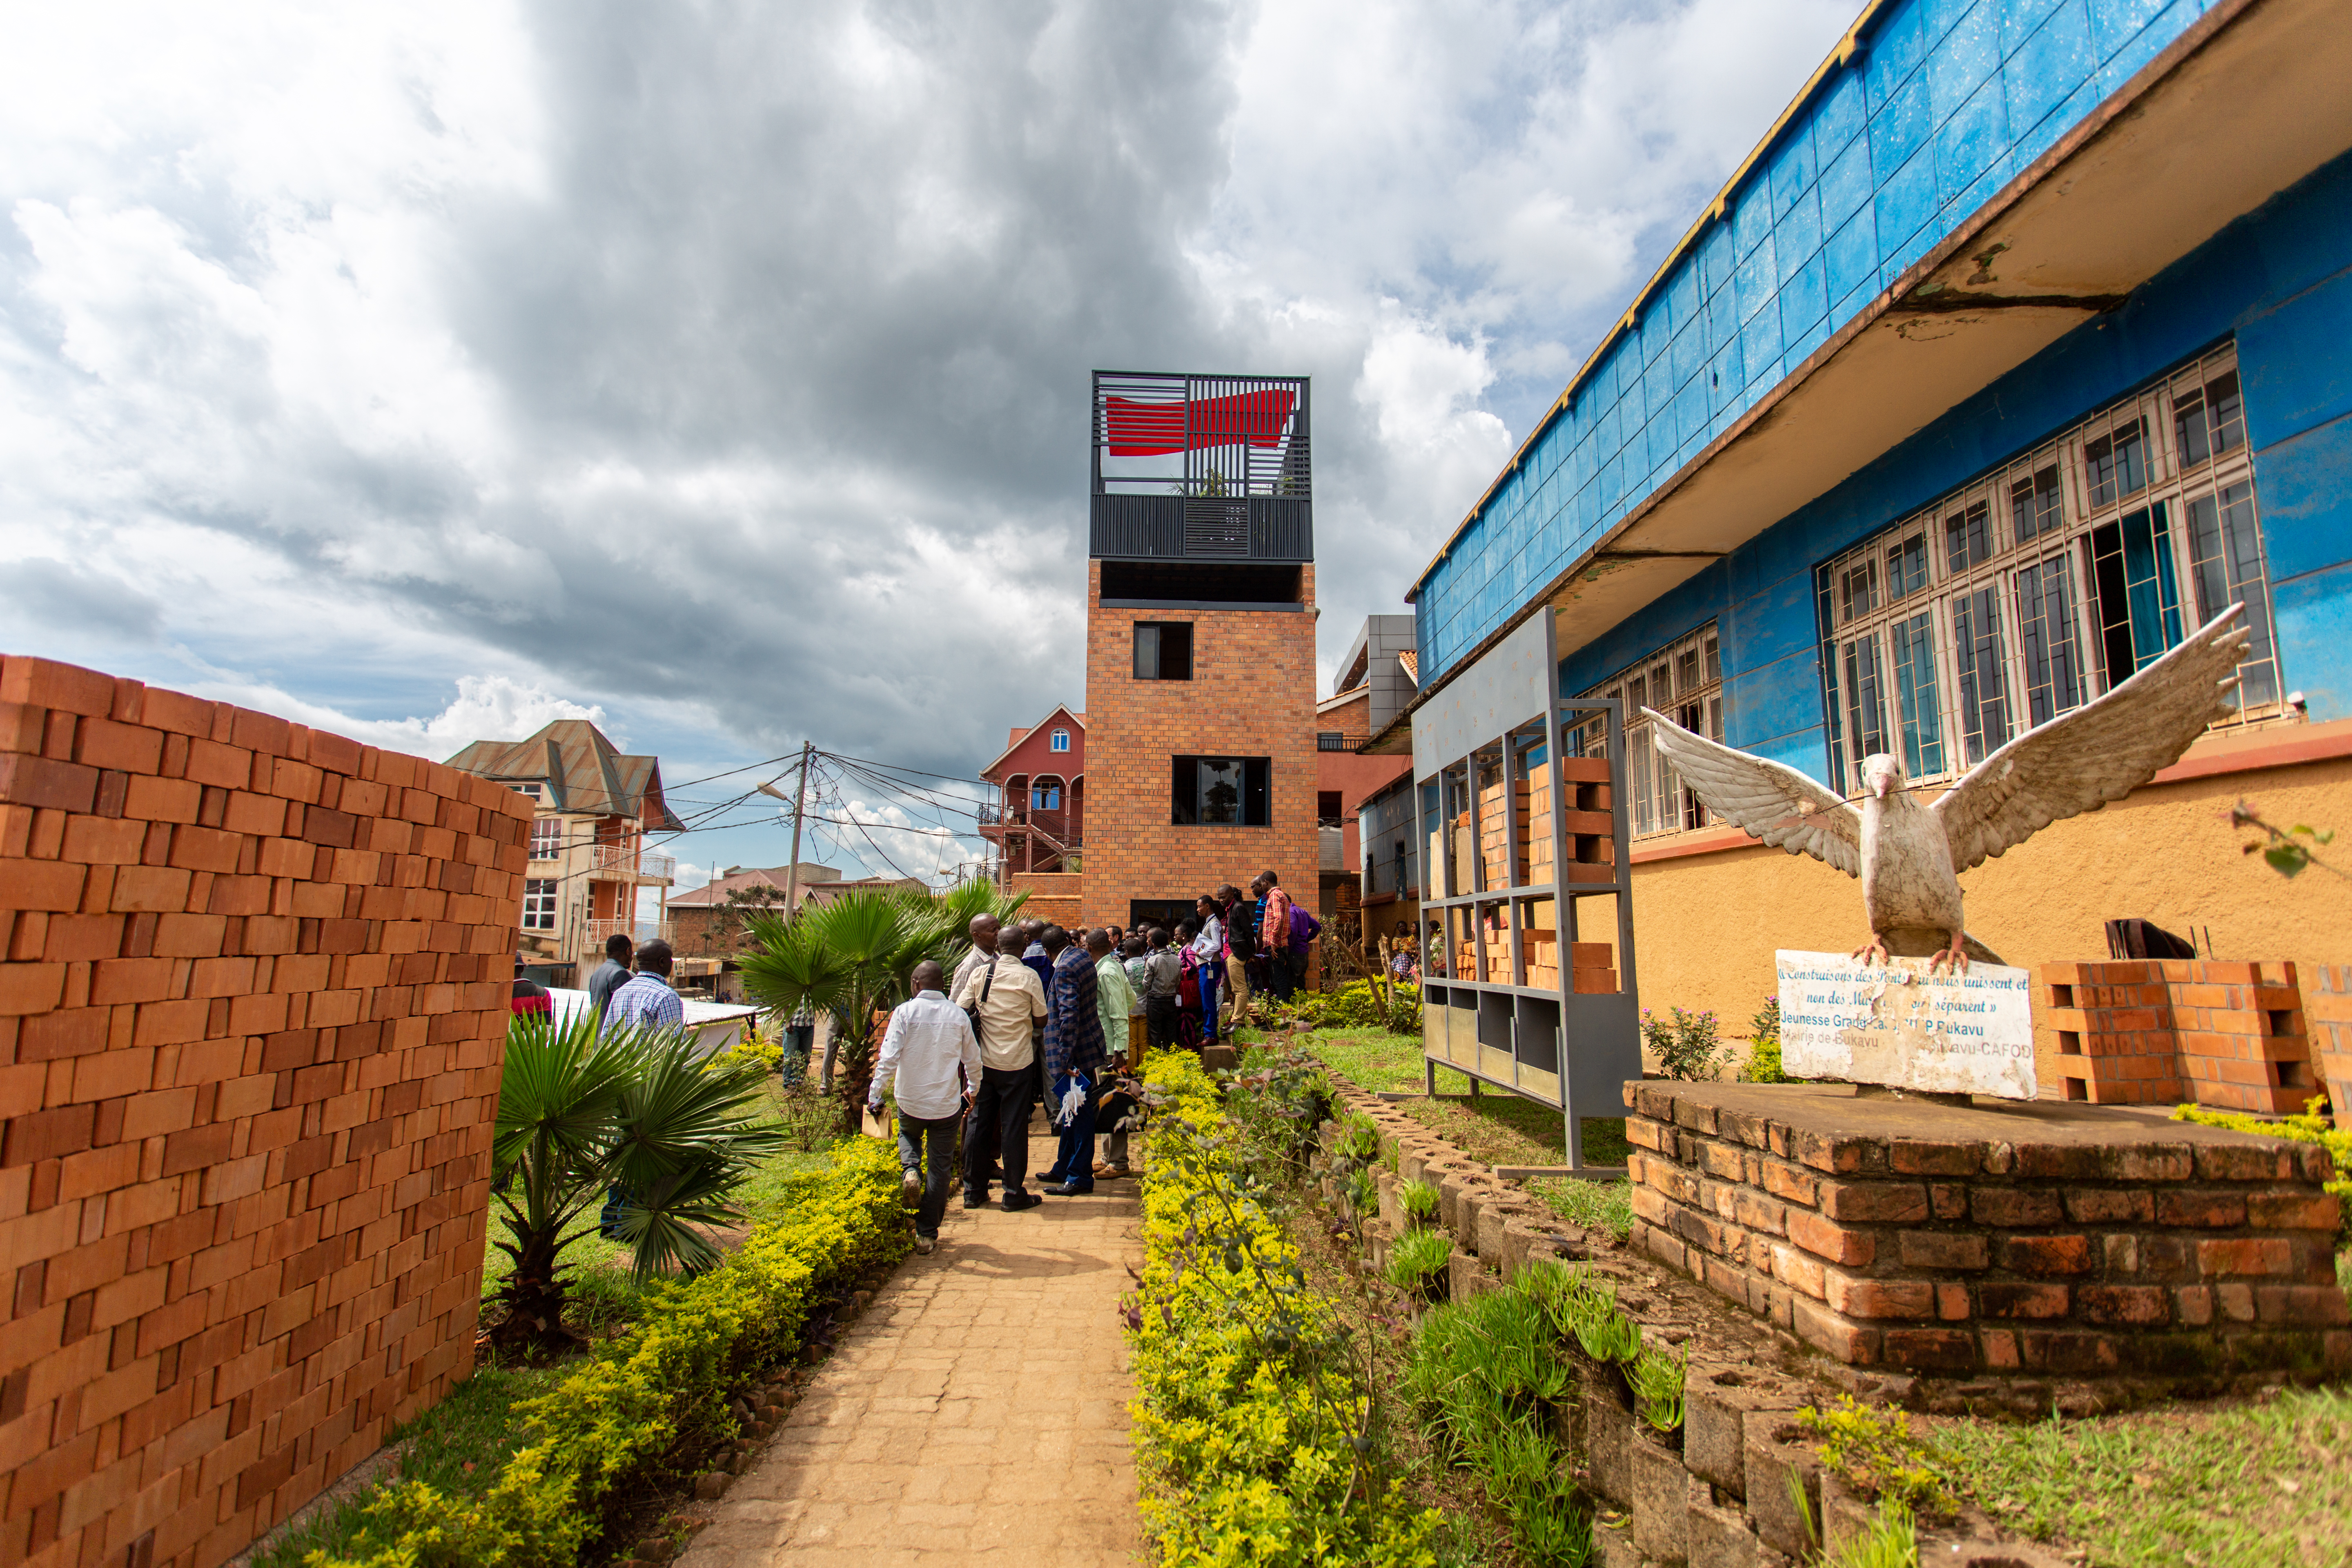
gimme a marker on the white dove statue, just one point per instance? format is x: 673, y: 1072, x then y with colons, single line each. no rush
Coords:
x: 1909, y: 856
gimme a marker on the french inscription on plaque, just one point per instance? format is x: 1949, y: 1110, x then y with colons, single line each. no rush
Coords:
x: 1903, y: 1024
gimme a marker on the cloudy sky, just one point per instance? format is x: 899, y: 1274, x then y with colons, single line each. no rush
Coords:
x: 427, y: 370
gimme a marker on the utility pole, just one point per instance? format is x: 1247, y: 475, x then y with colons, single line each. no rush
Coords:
x: 800, y: 801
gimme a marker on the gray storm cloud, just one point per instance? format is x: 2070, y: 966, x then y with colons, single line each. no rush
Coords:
x: 728, y: 366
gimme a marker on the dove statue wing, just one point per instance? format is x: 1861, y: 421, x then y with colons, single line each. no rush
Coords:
x: 2101, y: 752
x: 1772, y: 801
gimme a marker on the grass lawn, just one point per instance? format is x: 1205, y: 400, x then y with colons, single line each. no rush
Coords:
x: 1497, y: 1127
x: 2263, y: 1484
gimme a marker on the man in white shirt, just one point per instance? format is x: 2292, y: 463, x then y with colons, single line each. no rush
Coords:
x: 1011, y: 1001
x: 932, y: 1062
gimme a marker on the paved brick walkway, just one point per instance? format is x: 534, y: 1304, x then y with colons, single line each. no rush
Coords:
x: 977, y: 1412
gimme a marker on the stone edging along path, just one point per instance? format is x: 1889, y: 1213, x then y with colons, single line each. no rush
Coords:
x: 1722, y: 1490
x: 976, y: 1410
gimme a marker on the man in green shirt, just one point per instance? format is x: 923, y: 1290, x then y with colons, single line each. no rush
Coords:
x: 1115, y: 996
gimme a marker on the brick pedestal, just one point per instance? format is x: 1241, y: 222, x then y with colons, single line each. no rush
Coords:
x: 2045, y: 1237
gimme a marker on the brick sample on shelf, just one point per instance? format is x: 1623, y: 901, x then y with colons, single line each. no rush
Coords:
x: 252, y: 1019
x: 2158, y: 1031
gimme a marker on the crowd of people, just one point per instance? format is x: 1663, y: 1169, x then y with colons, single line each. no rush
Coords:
x: 1037, y: 1013
x: 1034, y: 1013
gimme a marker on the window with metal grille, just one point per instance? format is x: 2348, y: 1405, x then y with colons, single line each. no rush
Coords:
x: 2049, y: 580
x: 1163, y: 650
x: 539, y: 903
x: 546, y: 837
x: 1222, y: 792
x: 1683, y: 680
x: 1330, y: 740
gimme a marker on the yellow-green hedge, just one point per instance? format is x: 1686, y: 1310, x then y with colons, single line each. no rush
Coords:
x: 1245, y: 1457
x: 625, y: 1405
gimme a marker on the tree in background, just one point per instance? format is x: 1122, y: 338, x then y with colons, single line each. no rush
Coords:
x: 849, y: 957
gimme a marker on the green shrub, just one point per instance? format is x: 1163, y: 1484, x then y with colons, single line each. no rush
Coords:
x: 1764, y: 1048
x: 1281, y: 1099
x: 1359, y: 1005
x: 1488, y: 1377
x: 607, y: 1425
x: 1360, y: 1138
x: 1419, y: 1258
x: 1688, y: 1044
x: 1419, y: 1200
x: 1253, y: 1413
x: 1876, y: 1453
x: 1656, y: 1374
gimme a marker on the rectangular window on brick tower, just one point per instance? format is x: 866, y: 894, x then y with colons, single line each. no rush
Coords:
x: 1222, y: 792
x: 1163, y: 650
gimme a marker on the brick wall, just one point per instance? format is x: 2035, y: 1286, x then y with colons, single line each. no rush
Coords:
x: 2047, y: 1241
x: 251, y: 1022
x: 2150, y: 1032
x: 2327, y: 1009
x: 1252, y: 694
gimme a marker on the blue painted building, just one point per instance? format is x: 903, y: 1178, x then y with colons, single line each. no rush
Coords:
x: 2021, y: 344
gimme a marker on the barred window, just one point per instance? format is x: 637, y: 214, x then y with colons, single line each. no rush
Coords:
x: 1683, y: 680
x: 2048, y: 580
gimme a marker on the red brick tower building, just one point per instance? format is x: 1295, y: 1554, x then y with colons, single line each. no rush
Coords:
x: 1200, y: 643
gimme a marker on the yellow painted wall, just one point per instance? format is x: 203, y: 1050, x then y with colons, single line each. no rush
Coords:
x: 1704, y: 926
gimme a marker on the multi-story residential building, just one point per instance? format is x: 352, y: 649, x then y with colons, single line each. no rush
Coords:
x: 1038, y: 821
x: 705, y: 921
x: 2014, y: 351
x: 1375, y: 684
x: 1200, y: 642
x: 588, y: 854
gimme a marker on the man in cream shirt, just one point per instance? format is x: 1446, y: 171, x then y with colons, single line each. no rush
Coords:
x: 1009, y: 1001
x: 931, y: 1061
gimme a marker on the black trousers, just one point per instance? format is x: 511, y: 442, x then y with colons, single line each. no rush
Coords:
x: 998, y: 1127
x: 1160, y: 1013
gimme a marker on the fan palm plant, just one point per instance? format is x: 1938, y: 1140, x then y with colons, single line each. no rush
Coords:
x: 580, y: 1114
x: 850, y: 958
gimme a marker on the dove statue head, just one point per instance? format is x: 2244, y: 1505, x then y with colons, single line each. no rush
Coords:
x: 1882, y: 774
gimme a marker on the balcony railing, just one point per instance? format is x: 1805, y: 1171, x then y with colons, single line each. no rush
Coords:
x: 621, y: 860
x: 638, y: 932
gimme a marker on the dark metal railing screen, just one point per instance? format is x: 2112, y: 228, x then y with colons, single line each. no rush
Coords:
x: 1203, y: 437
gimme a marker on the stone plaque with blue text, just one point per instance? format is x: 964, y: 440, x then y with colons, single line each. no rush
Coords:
x: 1904, y: 1024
